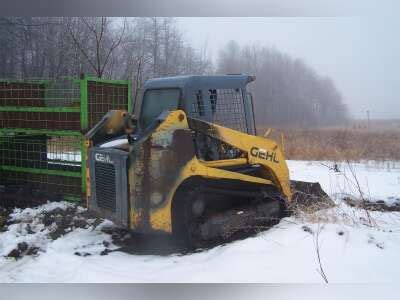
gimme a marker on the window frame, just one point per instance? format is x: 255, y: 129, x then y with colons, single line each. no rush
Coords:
x: 179, y: 106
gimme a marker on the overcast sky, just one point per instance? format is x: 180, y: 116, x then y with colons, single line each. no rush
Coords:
x: 361, y: 54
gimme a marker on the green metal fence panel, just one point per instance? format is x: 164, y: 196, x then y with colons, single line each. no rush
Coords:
x: 105, y: 95
x: 31, y: 104
x: 42, y: 126
x: 83, y: 104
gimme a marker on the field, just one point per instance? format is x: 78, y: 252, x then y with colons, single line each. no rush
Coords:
x: 346, y: 244
x: 380, y: 141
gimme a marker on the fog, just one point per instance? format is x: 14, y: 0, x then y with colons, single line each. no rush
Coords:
x: 361, y: 54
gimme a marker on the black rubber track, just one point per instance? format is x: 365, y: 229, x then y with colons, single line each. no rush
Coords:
x: 189, y: 229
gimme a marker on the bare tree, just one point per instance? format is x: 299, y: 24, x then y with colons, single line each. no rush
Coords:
x: 130, y: 48
x: 103, y: 47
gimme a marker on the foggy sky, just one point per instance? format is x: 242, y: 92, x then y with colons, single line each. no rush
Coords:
x: 361, y: 54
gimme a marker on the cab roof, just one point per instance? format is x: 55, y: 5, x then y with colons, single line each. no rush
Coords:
x: 200, y: 81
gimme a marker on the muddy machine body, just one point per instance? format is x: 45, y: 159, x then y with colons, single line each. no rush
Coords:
x: 187, y: 162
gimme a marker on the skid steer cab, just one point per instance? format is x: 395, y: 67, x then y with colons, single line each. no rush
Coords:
x: 187, y: 162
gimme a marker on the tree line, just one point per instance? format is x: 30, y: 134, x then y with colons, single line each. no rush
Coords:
x: 286, y: 92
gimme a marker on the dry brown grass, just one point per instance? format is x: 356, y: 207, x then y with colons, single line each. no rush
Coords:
x: 342, y: 144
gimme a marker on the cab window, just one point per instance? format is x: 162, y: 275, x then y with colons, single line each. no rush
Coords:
x: 155, y: 102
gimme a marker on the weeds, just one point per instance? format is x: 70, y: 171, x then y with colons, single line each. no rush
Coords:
x: 363, y: 201
x: 341, y: 144
x: 320, y: 269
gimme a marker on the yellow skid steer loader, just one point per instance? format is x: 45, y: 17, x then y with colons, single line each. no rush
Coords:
x: 187, y: 162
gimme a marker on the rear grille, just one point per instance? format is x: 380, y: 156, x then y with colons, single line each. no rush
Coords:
x: 105, y: 186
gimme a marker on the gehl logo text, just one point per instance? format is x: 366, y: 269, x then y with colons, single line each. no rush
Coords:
x: 263, y: 154
x: 104, y: 158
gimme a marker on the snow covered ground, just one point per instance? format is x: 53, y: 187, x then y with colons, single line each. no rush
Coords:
x: 354, y: 246
x: 377, y: 180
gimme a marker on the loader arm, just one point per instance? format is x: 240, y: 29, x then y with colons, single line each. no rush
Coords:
x: 257, y: 150
x: 171, y: 162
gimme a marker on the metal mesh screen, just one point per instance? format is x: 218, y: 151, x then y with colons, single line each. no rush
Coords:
x: 50, y: 164
x: 45, y: 104
x: 198, y: 109
x: 103, y: 97
x: 40, y: 120
x: 62, y: 92
x: 42, y: 184
x: 22, y: 94
x: 41, y: 151
x: 42, y: 123
x: 226, y: 107
x: 23, y: 152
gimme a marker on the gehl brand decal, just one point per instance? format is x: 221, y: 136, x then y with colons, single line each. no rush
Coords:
x: 263, y: 154
x: 104, y: 158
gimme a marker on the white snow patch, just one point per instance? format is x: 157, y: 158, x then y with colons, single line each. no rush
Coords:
x: 377, y: 180
x: 29, y: 213
x: 33, y: 234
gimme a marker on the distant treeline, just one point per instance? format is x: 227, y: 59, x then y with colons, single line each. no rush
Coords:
x: 287, y: 92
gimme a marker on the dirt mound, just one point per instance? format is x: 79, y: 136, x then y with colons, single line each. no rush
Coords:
x: 30, y: 230
x: 46, y: 222
x: 309, y: 196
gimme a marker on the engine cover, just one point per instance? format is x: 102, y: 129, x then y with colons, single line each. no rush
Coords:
x: 109, y: 185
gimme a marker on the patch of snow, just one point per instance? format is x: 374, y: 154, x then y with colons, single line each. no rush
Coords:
x: 33, y: 234
x: 377, y: 181
x: 19, y: 214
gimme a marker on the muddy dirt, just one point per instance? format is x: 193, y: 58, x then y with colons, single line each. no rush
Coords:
x: 4, y: 213
x: 142, y: 244
x: 379, y: 205
x: 60, y: 222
